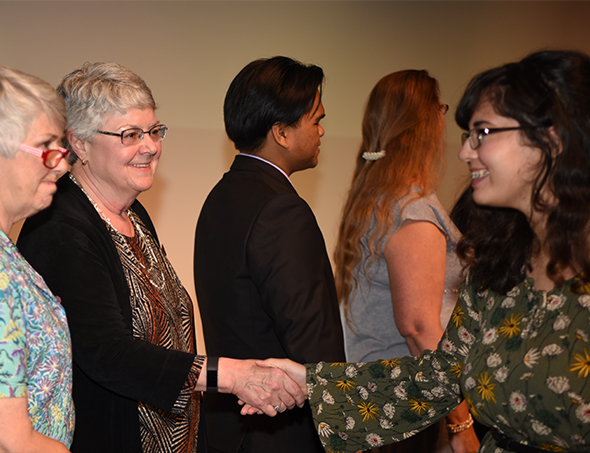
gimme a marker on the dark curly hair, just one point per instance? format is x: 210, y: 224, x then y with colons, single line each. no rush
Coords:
x: 549, y: 91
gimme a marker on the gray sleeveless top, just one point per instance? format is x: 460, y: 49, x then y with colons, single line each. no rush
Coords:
x: 374, y: 334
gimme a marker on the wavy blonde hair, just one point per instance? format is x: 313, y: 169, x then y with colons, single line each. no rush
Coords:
x: 403, y: 117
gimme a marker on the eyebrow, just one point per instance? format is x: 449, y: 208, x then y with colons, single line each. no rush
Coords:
x: 130, y: 126
x: 480, y: 124
x: 47, y: 137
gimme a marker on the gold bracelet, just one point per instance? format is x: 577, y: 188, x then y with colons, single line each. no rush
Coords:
x: 458, y: 427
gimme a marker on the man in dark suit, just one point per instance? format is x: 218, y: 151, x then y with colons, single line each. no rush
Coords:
x: 263, y: 278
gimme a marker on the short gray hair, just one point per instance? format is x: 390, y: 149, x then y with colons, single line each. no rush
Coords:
x: 99, y: 89
x: 23, y: 98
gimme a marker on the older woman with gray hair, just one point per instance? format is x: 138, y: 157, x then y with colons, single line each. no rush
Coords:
x: 36, y: 409
x: 137, y: 375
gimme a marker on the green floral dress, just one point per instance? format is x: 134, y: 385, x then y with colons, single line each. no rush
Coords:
x: 521, y: 361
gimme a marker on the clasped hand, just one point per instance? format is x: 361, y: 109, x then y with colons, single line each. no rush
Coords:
x: 263, y: 386
x: 291, y: 376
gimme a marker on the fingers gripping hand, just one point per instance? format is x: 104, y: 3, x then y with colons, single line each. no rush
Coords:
x: 294, y: 370
x: 263, y: 389
x: 295, y: 386
x: 249, y: 410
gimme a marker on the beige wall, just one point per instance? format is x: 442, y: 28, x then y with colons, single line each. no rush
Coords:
x: 189, y: 51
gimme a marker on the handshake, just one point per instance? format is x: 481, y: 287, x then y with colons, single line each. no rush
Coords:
x: 262, y: 386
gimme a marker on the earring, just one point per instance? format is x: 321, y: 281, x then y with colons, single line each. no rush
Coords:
x: 84, y: 162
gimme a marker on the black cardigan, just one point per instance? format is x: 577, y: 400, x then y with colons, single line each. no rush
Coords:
x: 69, y: 245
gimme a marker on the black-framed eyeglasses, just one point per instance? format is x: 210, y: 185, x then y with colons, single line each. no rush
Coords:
x: 475, y: 135
x: 51, y: 157
x: 134, y: 135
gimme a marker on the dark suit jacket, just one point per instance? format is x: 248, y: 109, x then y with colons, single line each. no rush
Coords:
x: 265, y: 289
x: 70, y: 247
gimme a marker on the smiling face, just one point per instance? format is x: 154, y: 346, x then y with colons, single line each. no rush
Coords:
x: 116, y: 173
x: 304, y: 139
x: 26, y: 184
x: 503, y: 167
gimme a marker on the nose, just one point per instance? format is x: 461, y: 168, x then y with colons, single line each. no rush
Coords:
x: 322, y: 131
x: 147, y: 144
x: 467, y: 153
x: 61, y: 167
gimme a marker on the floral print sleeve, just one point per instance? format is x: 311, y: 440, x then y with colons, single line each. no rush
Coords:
x: 364, y: 405
x: 521, y: 360
x: 13, y: 348
x: 527, y: 374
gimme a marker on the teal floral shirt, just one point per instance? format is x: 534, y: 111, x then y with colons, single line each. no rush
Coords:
x: 520, y: 360
x: 35, y: 349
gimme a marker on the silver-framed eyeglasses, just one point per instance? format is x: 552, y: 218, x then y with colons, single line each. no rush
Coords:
x: 51, y: 157
x: 134, y: 135
x: 475, y: 135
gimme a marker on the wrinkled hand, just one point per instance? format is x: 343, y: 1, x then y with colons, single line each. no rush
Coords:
x: 294, y: 370
x: 261, y: 388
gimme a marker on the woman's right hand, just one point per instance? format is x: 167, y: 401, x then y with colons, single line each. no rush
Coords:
x: 295, y: 371
x: 262, y: 388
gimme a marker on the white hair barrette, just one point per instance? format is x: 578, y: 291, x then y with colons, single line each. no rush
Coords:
x: 373, y: 155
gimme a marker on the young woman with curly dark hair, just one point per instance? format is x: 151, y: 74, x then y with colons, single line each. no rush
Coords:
x: 517, y: 348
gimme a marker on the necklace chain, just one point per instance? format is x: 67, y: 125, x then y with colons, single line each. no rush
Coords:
x: 102, y: 215
x: 146, y: 240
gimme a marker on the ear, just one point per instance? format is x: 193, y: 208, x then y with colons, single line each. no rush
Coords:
x: 77, y: 145
x: 279, y: 134
x: 556, y: 144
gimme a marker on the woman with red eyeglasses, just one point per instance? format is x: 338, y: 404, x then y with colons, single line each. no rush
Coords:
x: 36, y: 408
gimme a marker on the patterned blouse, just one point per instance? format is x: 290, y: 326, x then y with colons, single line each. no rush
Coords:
x: 520, y: 360
x: 35, y: 348
x: 163, y: 315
